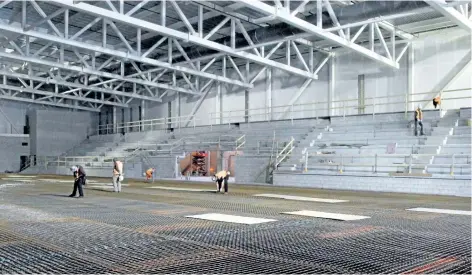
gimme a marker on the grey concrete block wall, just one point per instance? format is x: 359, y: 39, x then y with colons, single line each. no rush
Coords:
x: 55, y: 131
x: 165, y: 166
x: 432, y: 186
x: 249, y: 169
x: 11, y: 150
x: 465, y: 113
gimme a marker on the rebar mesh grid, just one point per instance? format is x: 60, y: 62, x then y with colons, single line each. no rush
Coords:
x: 42, y: 232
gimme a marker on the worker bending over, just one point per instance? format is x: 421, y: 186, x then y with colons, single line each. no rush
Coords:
x: 419, y: 120
x: 220, y: 177
x: 79, y: 179
x: 149, y: 173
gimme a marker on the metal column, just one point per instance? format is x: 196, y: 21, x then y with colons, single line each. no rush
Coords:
x: 411, y: 79
x: 269, y: 93
x: 332, y: 83
x: 114, y: 120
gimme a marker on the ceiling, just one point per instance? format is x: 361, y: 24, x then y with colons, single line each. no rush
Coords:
x: 92, y: 54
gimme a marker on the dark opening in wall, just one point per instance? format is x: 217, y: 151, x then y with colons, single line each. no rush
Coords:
x: 24, y: 144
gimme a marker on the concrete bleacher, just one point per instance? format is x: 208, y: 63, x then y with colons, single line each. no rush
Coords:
x: 349, y: 145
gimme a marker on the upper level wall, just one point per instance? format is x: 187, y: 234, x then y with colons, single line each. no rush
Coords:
x: 437, y: 56
x: 12, y: 117
x: 55, y: 131
x: 12, y: 147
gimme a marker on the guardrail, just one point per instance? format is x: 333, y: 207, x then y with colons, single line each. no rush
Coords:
x: 240, y: 142
x: 286, y: 151
x: 372, y: 105
x: 342, y: 161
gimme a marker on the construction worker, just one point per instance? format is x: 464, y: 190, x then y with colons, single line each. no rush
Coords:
x: 436, y: 101
x: 117, y: 175
x: 220, y: 177
x: 79, y: 179
x: 149, y: 173
x: 418, y: 120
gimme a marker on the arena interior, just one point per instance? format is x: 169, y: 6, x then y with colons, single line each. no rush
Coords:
x: 235, y: 137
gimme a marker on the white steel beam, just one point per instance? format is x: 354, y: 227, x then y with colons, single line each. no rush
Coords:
x: 38, y: 101
x: 151, y: 27
x: 286, y: 17
x: 199, y: 103
x: 92, y: 72
x: 41, y: 12
x: 66, y: 84
x: 120, y: 54
x: 295, y: 97
x: 58, y: 95
x: 182, y: 17
x: 451, y: 13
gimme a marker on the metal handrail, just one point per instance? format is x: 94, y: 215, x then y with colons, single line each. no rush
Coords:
x: 249, y: 114
x: 284, y: 152
x: 375, y: 164
x: 241, y: 143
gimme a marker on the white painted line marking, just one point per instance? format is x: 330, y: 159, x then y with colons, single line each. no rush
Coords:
x: 442, y: 211
x: 20, y: 176
x: 326, y: 215
x: 230, y: 218
x: 22, y: 180
x: 297, y: 198
x: 102, y: 187
x: 103, y: 184
x: 181, y: 189
x: 18, y: 179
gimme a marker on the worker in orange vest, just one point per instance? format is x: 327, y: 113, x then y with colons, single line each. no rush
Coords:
x: 436, y: 101
x: 149, y: 173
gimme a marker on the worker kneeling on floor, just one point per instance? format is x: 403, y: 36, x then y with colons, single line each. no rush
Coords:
x: 220, y: 177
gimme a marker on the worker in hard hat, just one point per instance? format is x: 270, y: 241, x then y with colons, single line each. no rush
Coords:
x: 419, y: 120
x: 149, y: 173
x: 220, y: 177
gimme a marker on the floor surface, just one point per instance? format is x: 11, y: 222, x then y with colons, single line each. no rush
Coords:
x: 148, y: 230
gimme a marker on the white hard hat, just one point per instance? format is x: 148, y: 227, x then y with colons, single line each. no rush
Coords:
x: 229, y: 173
x: 74, y: 168
x: 419, y: 106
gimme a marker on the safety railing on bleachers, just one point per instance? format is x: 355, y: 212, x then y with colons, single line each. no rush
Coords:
x: 240, y: 142
x: 285, y: 153
x: 376, y: 161
x: 372, y: 106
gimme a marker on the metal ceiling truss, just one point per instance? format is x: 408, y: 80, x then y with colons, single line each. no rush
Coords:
x: 343, y: 37
x: 196, y: 37
x: 459, y: 14
x: 108, y: 62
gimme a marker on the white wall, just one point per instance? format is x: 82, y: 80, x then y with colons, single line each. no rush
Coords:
x: 437, y: 55
x: 379, y: 81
